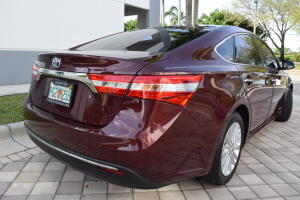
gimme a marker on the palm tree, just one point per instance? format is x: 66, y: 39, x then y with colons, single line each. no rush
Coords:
x: 163, y: 12
x: 173, y: 13
x: 179, y: 12
x: 191, y: 12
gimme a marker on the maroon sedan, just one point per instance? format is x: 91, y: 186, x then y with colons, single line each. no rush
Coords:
x: 151, y: 107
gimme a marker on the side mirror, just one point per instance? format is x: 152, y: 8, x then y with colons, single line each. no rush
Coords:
x: 286, y: 65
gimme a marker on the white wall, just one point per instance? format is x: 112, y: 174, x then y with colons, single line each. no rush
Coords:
x: 57, y: 24
x: 29, y: 27
x: 146, y: 17
x: 144, y: 4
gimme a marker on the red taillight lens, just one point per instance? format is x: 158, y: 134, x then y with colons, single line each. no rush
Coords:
x: 35, y: 70
x: 112, y: 171
x: 170, y: 89
x: 112, y: 84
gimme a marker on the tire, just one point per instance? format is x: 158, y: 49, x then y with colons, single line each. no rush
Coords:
x: 287, y: 108
x: 218, y: 175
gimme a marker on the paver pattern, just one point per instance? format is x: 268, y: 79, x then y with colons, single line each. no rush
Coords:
x: 269, y: 169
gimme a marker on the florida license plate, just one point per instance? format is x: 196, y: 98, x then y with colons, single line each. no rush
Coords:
x: 60, y: 93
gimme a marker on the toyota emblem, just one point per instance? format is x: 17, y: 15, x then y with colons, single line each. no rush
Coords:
x: 56, y: 62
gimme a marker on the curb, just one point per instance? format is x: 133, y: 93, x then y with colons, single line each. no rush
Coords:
x: 14, y: 138
x: 6, y: 90
x: 10, y: 94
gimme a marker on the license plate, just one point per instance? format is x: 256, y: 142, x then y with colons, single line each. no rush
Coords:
x: 60, y: 93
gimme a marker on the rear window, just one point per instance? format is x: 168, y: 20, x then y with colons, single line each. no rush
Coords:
x: 149, y: 40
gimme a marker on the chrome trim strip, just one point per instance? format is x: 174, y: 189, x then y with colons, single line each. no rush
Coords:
x: 184, y: 87
x: 117, y: 85
x: 248, y: 80
x: 72, y: 155
x: 82, y: 77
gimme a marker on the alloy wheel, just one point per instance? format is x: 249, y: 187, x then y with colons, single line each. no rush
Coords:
x: 231, y: 148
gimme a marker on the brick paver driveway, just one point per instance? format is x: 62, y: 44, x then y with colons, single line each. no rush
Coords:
x: 269, y: 168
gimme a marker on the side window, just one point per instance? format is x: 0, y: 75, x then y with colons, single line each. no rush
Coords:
x: 226, y: 50
x: 246, y: 50
x: 270, y: 59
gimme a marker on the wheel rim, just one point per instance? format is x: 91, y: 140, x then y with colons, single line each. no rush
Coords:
x: 231, y: 148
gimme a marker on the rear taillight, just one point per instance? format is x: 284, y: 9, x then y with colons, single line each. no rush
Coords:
x: 35, y: 70
x: 112, y: 84
x: 170, y: 89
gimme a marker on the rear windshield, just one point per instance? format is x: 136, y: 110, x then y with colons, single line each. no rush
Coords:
x: 161, y: 39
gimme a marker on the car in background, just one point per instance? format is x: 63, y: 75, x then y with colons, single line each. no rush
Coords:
x: 151, y: 107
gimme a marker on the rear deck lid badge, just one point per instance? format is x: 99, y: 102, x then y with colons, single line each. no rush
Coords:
x: 56, y: 62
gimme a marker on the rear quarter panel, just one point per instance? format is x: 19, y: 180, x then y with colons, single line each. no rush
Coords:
x: 220, y: 90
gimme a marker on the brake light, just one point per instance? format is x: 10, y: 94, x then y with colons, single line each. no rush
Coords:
x: 112, y: 84
x: 170, y: 89
x: 35, y: 70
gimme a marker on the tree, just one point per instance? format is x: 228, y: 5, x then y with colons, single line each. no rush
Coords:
x: 131, y: 25
x: 286, y: 51
x: 173, y: 13
x: 179, y: 12
x: 163, y: 12
x: 224, y: 17
x: 215, y: 17
x: 191, y: 10
x: 274, y: 17
x: 297, y: 26
x: 276, y: 51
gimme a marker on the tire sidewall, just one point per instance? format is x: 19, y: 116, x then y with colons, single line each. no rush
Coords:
x: 287, y: 108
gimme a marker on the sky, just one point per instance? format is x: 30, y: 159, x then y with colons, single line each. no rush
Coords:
x: 207, y: 6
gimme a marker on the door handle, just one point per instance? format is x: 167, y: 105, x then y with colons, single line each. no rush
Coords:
x: 248, y: 81
x: 276, y: 80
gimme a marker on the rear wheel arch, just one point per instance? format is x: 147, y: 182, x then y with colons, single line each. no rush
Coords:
x: 216, y: 175
x: 244, y: 112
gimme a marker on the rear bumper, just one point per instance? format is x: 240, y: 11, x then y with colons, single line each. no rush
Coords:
x: 92, y: 166
x: 153, y: 150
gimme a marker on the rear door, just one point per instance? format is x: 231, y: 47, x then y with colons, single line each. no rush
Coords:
x: 278, y: 78
x: 255, y: 77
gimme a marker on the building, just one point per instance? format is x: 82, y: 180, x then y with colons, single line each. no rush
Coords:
x: 33, y: 26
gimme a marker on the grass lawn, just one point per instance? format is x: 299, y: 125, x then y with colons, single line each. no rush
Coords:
x: 11, y: 108
x: 297, y: 67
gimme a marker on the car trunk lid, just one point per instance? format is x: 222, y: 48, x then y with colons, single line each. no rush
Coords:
x: 86, y: 103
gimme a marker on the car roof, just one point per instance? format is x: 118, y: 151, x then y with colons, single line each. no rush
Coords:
x: 205, y: 26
